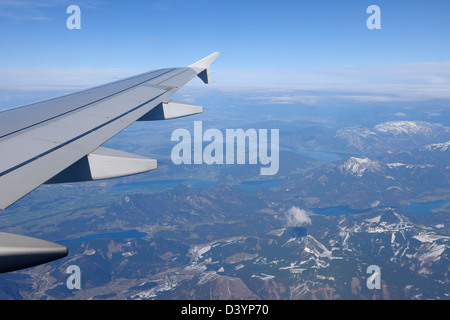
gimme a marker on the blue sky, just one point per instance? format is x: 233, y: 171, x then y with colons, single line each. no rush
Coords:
x: 264, y: 43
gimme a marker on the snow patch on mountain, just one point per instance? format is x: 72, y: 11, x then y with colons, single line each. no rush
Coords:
x: 395, y: 165
x: 199, y: 251
x: 357, y: 166
x: 438, y: 146
x: 375, y: 220
x: 426, y: 237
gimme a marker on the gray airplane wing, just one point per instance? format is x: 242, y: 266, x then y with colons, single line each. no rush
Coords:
x: 59, y: 140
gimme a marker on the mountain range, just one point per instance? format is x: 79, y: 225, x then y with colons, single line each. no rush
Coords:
x: 225, y: 242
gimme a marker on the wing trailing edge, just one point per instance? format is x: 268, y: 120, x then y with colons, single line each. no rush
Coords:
x: 105, y: 163
x: 171, y: 110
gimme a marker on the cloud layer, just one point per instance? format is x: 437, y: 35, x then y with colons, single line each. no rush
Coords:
x: 305, y: 85
x: 312, y: 85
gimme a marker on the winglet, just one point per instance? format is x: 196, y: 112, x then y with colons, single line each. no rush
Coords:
x: 202, y: 67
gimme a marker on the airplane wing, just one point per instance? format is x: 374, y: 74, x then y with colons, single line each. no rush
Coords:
x: 59, y: 140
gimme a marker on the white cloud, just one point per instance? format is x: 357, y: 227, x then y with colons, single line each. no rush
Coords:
x: 296, y: 217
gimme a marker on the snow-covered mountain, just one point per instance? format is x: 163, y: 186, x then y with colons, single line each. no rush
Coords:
x: 409, y: 128
x: 357, y: 137
x: 326, y: 263
x: 393, y: 136
x: 384, y: 179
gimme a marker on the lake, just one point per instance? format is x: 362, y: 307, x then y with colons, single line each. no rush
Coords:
x: 423, y: 207
x: 129, y: 234
x: 163, y: 184
x: 253, y: 185
x: 325, y: 156
x: 412, y: 208
x: 337, y: 210
x: 169, y: 184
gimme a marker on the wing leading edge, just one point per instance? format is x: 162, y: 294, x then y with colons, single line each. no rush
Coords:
x: 59, y: 140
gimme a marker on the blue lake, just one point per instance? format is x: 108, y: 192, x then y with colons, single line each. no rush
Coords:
x: 413, y: 208
x: 129, y: 234
x: 423, y: 207
x: 163, y: 184
x: 337, y: 210
x: 253, y: 185
x: 168, y: 184
x: 325, y: 156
